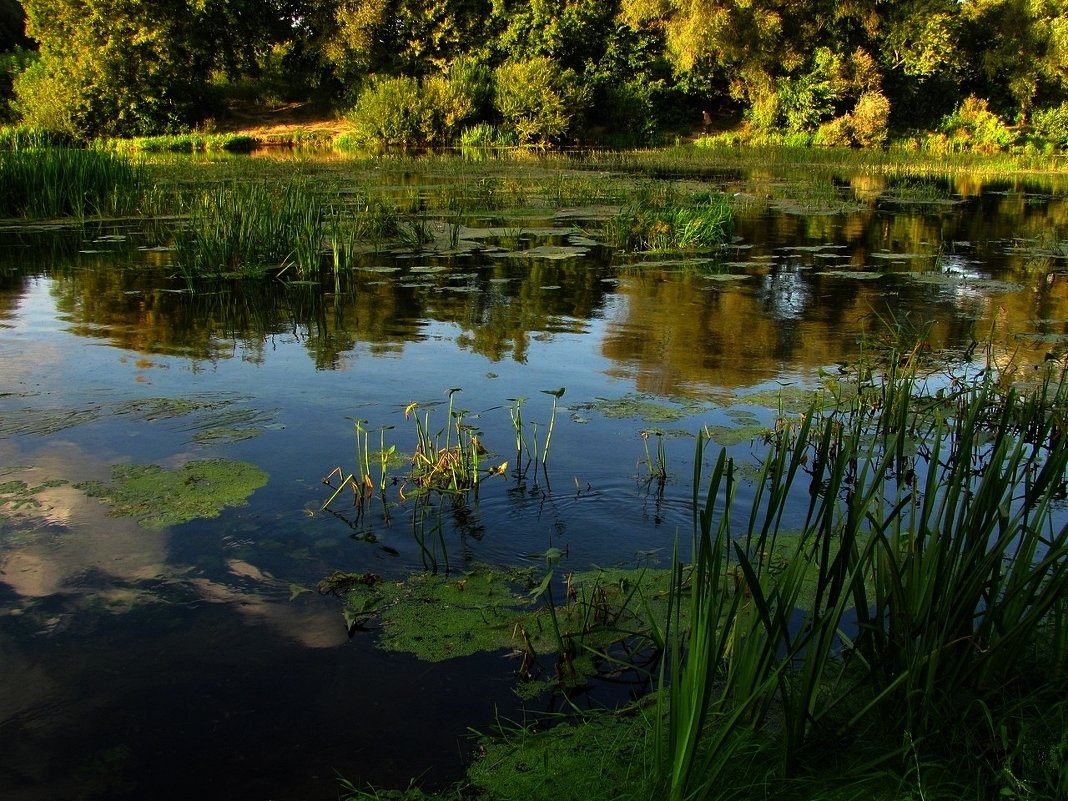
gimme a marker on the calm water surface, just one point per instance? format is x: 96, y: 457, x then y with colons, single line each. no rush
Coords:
x: 191, y: 661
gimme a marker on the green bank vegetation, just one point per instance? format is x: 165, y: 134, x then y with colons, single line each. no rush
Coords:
x: 885, y: 615
x: 943, y: 74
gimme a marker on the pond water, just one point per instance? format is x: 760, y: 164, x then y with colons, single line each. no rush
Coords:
x: 191, y: 656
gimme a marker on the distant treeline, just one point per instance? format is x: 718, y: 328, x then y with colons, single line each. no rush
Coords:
x: 951, y: 73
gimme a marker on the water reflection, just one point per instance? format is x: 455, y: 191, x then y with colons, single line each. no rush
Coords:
x: 208, y: 625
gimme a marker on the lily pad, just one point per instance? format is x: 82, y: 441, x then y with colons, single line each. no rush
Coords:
x: 159, y: 497
x: 641, y: 407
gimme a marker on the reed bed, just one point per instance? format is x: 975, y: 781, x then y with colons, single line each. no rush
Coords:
x: 924, y: 586
x: 700, y: 226
x: 65, y: 182
x: 250, y: 230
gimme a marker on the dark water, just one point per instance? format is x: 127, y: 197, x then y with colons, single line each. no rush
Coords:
x: 186, y: 661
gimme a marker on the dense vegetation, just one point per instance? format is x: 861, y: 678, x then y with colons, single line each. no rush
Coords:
x: 548, y: 71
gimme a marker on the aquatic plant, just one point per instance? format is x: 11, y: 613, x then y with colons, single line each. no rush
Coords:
x: 927, y: 575
x: 698, y: 227
x: 181, y: 143
x: 250, y: 229
x: 159, y: 497
x: 65, y: 182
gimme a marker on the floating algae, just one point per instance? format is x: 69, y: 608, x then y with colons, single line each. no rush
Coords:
x: 17, y: 494
x: 437, y: 617
x: 158, y: 497
x: 642, y: 407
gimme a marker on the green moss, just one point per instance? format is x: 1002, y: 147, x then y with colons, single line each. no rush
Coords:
x: 158, y: 497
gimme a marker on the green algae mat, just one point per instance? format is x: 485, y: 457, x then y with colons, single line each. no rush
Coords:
x: 159, y: 497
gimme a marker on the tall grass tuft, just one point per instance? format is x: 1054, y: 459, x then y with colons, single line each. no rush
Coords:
x: 64, y: 182
x: 702, y: 226
x: 925, y: 577
x: 251, y: 229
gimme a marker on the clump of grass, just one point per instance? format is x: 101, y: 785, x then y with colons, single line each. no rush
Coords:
x: 24, y: 137
x: 249, y: 230
x: 65, y: 182
x: 181, y: 143
x: 698, y: 227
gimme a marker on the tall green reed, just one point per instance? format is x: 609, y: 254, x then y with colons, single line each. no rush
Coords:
x: 250, y: 230
x: 65, y: 182
x: 927, y: 574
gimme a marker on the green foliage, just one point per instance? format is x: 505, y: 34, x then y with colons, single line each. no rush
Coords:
x: 406, y: 111
x: 12, y: 63
x: 929, y: 520
x: 536, y: 100
x: 972, y: 127
x: 61, y: 182
x: 1051, y: 125
x: 391, y: 111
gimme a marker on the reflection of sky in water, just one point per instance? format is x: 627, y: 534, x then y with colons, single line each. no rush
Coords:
x: 784, y: 293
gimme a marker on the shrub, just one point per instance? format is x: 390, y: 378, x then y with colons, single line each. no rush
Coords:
x: 835, y: 133
x: 531, y: 98
x: 1051, y: 124
x: 389, y: 110
x: 869, y: 120
x: 974, y: 127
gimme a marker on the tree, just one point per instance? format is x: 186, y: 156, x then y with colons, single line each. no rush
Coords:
x: 401, y: 37
x: 130, y: 67
x: 1021, y: 49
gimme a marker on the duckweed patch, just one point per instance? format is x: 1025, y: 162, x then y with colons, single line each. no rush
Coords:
x: 789, y: 400
x: 436, y: 617
x: 159, y: 497
x: 734, y: 435
x: 604, y: 758
x: 439, y: 617
x: 641, y: 407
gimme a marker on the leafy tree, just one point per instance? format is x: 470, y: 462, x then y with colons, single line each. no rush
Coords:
x: 1021, y: 49
x: 409, y: 37
x: 128, y: 67
x: 787, y: 61
x: 573, y: 33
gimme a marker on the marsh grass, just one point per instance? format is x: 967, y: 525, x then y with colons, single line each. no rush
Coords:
x: 927, y: 579
x: 703, y: 226
x: 65, y: 182
x: 181, y: 143
x: 250, y: 230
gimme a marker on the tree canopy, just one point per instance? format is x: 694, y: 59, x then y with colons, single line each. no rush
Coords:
x: 837, y: 70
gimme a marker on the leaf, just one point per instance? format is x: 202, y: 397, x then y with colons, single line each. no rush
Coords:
x: 545, y: 582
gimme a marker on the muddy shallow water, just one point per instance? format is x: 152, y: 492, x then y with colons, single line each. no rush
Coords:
x: 173, y: 658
